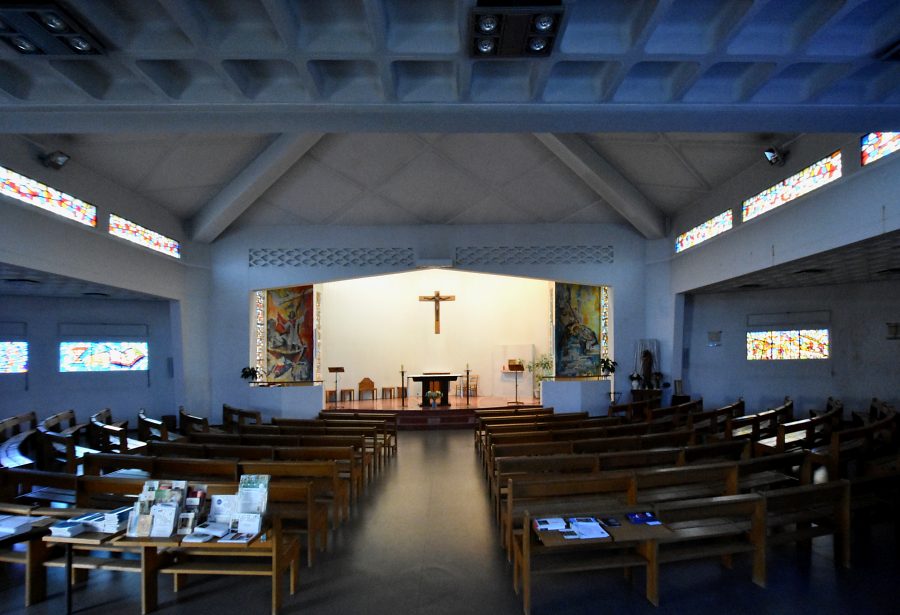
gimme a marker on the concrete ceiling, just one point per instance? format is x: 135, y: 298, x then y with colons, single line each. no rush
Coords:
x: 237, y: 113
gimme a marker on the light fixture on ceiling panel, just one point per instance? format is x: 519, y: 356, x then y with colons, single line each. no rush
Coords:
x: 45, y: 28
x: 775, y: 156
x: 55, y: 159
x: 514, y: 29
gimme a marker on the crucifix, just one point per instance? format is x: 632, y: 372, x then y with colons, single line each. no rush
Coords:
x: 437, y: 298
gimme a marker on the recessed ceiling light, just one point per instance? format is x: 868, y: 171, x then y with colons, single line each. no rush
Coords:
x: 23, y: 45
x: 544, y: 23
x: 80, y: 44
x: 54, y: 22
x: 537, y: 44
x: 488, y: 24
x: 486, y: 45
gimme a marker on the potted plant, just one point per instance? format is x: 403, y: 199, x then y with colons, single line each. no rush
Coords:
x: 607, y: 366
x: 635, y: 379
x: 433, y: 397
x: 541, y: 367
x: 252, y: 373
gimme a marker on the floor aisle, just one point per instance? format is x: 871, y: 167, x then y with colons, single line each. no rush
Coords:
x: 423, y: 542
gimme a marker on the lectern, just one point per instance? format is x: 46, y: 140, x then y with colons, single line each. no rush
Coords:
x: 516, y: 367
x: 336, y: 371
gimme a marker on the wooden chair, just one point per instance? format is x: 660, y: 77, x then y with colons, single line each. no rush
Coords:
x: 473, y: 385
x: 366, y: 386
x: 153, y: 429
x: 347, y: 394
x: 387, y: 392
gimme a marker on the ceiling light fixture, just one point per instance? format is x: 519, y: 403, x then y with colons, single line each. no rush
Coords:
x: 775, y: 157
x: 55, y: 159
x: 44, y: 28
x: 506, y: 29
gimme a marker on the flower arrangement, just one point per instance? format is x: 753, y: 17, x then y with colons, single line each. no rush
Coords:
x: 433, y: 395
x: 607, y: 365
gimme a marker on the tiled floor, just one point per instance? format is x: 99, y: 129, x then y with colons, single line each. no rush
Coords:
x: 423, y: 542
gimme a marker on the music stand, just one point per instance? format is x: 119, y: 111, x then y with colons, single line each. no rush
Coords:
x: 515, y: 366
x: 336, y: 371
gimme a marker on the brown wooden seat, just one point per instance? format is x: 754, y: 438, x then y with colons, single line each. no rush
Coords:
x: 366, y: 386
x: 347, y: 394
x: 387, y: 392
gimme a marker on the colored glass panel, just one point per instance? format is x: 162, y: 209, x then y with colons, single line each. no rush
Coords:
x: 259, y: 359
x: 877, y: 145
x: 35, y: 193
x: 102, y: 356
x: 135, y: 233
x: 13, y: 357
x: 604, y: 321
x: 702, y: 232
x: 811, y: 178
x: 792, y: 344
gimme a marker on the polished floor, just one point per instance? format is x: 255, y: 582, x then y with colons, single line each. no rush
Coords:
x: 423, y: 542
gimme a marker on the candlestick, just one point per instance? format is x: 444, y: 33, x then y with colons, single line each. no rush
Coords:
x: 401, y: 367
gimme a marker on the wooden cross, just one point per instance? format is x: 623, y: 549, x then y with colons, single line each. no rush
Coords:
x: 437, y: 298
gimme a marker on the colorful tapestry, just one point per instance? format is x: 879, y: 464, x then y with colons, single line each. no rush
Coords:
x: 579, y: 332
x: 102, y: 356
x: 289, y: 334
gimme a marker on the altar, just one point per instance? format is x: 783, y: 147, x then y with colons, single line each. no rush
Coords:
x: 436, y: 382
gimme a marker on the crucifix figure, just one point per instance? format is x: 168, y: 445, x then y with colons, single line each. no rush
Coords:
x: 437, y: 298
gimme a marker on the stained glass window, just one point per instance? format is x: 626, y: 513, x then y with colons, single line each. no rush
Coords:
x: 35, y: 193
x: 702, y: 232
x: 793, y: 344
x: 13, y: 357
x: 259, y: 358
x: 877, y: 145
x: 135, y: 233
x: 102, y: 356
x: 604, y: 321
x: 812, y: 177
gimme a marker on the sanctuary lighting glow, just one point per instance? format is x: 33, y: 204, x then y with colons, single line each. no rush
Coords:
x: 702, y: 232
x: 794, y: 344
x: 135, y: 233
x: 33, y: 192
x: 811, y: 178
x: 13, y: 357
x: 877, y: 145
x: 102, y: 356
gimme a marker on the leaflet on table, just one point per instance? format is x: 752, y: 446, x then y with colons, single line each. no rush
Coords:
x: 211, y: 528
x: 247, y: 523
x: 222, y: 508
x: 643, y: 518
x: 237, y: 537
x: 585, y: 528
x: 164, y: 515
x: 550, y: 523
x: 253, y: 493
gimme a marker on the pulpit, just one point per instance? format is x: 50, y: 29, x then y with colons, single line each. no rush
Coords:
x: 435, y: 382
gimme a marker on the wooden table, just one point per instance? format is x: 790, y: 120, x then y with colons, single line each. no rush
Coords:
x: 628, y: 545
x: 435, y: 382
x: 90, y: 539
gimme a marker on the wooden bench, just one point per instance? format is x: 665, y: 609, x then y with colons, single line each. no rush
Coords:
x: 761, y: 425
x: 153, y: 429
x: 58, y: 437
x: 325, y: 489
x: 711, y: 424
x: 109, y: 436
x: 634, y: 410
x: 695, y: 529
x: 804, y: 433
x: 864, y: 443
x: 323, y: 473
x: 17, y: 440
x: 233, y: 418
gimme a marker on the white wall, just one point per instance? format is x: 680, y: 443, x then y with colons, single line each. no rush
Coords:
x: 373, y: 325
x: 49, y: 391
x: 234, y: 279
x: 863, y: 363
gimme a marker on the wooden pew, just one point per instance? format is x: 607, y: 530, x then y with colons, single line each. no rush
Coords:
x: 388, y: 424
x: 109, y: 436
x: 153, y: 429
x: 17, y: 437
x: 798, y: 514
x: 712, y: 424
x: 527, y: 422
x: 233, y: 418
x: 804, y: 433
x: 678, y: 413
x: 634, y: 410
x: 861, y: 444
x: 761, y: 425
x: 58, y: 435
x: 325, y: 489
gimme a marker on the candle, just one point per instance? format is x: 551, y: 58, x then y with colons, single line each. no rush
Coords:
x: 467, y: 366
x: 401, y: 367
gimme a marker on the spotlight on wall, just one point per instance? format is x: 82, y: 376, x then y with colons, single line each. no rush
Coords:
x: 498, y: 28
x: 55, y: 160
x: 775, y: 156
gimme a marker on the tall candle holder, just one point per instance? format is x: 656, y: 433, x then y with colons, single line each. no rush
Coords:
x: 467, y: 384
x: 402, y: 387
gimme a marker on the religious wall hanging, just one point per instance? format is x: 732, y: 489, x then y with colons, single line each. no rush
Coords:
x: 289, y: 339
x: 578, y: 330
x: 437, y: 298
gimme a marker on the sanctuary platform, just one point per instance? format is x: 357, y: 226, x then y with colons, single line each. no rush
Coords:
x: 458, y: 416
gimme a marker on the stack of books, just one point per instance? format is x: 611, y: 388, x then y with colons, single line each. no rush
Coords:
x: 10, y: 525
x: 67, y: 528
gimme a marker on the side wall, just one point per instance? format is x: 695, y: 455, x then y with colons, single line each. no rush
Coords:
x: 46, y: 391
x: 863, y: 363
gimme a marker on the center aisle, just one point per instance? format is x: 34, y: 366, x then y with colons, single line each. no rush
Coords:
x: 423, y: 540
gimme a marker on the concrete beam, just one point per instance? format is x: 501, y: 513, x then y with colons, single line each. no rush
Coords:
x: 257, y: 177
x: 605, y: 180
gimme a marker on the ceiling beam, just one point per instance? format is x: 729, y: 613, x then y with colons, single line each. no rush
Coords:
x: 257, y: 177
x: 604, y: 179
